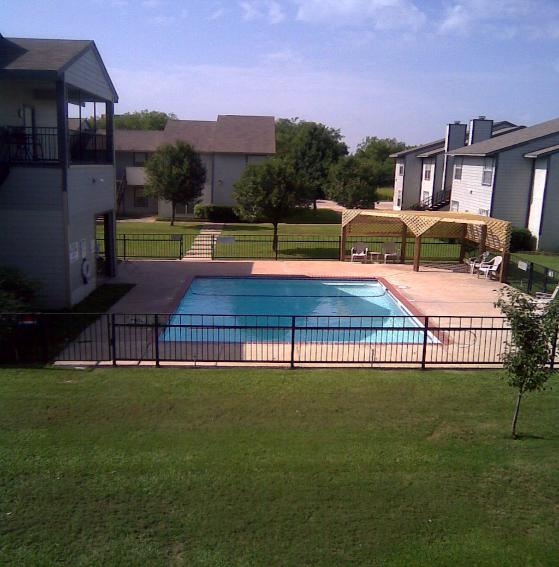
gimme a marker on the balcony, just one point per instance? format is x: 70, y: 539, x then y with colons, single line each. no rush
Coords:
x: 39, y: 145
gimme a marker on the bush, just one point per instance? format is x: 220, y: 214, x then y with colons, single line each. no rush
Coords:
x: 17, y: 293
x: 215, y: 213
x: 522, y: 239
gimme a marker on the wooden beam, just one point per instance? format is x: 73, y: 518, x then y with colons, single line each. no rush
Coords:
x: 403, y: 237
x: 483, y: 239
x: 463, y: 243
x: 416, y: 253
x: 343, y: 241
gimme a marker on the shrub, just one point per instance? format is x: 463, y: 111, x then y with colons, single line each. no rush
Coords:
x: 17, y: 293
x: 215, y: 213
x: 521, y: 239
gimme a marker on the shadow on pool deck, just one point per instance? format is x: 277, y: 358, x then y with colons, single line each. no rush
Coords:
x: 433, y: 291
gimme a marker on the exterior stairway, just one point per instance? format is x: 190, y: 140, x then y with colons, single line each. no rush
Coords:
x: 437, y: 201
x: 202, y: 246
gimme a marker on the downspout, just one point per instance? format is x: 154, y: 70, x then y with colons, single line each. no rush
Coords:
x: 546, y: 184
x: 531, y: 191
x: 493, y: 185
x: 62, y: 123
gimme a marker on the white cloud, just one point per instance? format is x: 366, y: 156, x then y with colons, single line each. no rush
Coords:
x: 502, y: 19
x: 381, y: 14
x: 268, y: 10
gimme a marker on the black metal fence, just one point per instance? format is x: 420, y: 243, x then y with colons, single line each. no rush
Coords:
x: 530, y: 276
x: 258, y: 247
x: 288, y: 340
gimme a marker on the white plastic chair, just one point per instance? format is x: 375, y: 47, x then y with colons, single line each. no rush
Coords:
x: 490, y: 268
x: 543, y: 299
x: 359, y: 252
x: 389, y: 251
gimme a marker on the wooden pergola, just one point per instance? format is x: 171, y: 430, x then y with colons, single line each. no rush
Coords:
x: 486, y: 233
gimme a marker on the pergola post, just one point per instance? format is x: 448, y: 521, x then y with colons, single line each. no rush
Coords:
x: 463, y: 243
x: 343, y: 241
x: 416, y: 253
x: 403, y: 238
x: 483, y: 239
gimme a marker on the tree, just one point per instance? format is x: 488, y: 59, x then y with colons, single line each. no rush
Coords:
x: 377, y: 151
x: 175, y: 173
x: 311, y: 148
x: 269, y: 192
x: 527, y: 356
x: 139, y: 120
x: 352, y: 183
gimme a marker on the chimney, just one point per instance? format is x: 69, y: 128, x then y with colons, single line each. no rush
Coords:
x: 480, y: 129
x: 455, y: 136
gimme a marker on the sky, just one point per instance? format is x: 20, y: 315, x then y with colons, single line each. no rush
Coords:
x: 388, y: 68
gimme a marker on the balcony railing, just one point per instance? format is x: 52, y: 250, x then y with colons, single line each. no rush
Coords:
x: 40, y: 145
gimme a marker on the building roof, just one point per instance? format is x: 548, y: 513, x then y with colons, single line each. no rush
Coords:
x: 436, y: 145
x: 543, y: 152
x: 515, y: 138
x: 137, y: 140
x: 228, y: 135
x: 45, y: 57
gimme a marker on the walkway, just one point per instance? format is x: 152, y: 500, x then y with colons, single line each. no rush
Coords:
x: 201, y: 248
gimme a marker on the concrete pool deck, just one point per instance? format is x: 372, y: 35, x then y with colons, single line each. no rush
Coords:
x: 160, y: 284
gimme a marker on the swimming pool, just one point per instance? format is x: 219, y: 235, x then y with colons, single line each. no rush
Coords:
x: 257, y: 309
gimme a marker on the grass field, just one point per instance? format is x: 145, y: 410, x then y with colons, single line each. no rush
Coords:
x: 551, y: 261
x: 267, y: 467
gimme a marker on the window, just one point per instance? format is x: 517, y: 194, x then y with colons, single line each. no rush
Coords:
x: 484, y: 212
x: 454, y: 206
x: 401, y: 169
x: 140, y: 200
x: 487, y: 175
x: 458, y: 163
x: 427, y: 171
x: 140, y: 158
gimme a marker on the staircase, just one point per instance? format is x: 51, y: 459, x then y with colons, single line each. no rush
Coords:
x: 202, y: 246
x: 437, y: 201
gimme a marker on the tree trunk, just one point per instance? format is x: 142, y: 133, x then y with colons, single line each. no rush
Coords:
x: 275, y: 239
x: 314, y: 205
x: 173, y: 213
x: 515, y: 416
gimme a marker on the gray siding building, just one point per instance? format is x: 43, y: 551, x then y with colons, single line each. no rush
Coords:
x: 56, y: 177
x: 226, y: 147
x: 513, y: 177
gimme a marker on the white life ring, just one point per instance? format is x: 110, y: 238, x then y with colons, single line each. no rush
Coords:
x: 86, y: 270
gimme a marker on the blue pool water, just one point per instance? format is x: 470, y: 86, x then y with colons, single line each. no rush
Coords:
x: 217, y: 309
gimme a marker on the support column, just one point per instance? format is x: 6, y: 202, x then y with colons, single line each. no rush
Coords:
x: 463, y: 243
x: 343, y: 242
x: 483, y: 239
x: 416, y: 253
x: 403, y: 237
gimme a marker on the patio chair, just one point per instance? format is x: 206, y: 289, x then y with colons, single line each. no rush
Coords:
x: 544, y: 299
x: 490, y: 268
x: 389, y: 251
x: 359, y: 252
x: 476, y: 261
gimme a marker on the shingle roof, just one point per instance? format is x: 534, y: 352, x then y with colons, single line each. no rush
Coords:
x: 543, y: 152
x: 229, y: 134
x: 137, y: 140
x: 23, y: 54
x: 436, y: 145
x: 515, y: 138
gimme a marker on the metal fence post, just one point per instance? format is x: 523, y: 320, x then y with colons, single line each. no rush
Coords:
x: 213, y: 246
x: 292, y: 364
x: 530, y: 277
x: 156, y: 330
x: 181, y: 247
x: 113, y: 338
x: 425, y: 336
x: 554, y: 349
x: 124, y: 246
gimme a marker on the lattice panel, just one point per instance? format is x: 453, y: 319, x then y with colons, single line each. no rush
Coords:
x: 419, y: 224
x: 375, y: 226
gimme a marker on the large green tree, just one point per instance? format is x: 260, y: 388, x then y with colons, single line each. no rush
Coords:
x: 354, y: 180
x: 175, y: 173
x: 138, y: 120
x: 311, y: 148
x: 268, y: 192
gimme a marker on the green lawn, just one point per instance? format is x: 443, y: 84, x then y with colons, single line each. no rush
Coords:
x: 266, y: 467
x: 551, y: 261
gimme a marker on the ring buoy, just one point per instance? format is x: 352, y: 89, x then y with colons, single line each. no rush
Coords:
x: 86, y: 270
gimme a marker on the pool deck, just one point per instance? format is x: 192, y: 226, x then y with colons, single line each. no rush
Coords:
x: 160, y: 284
